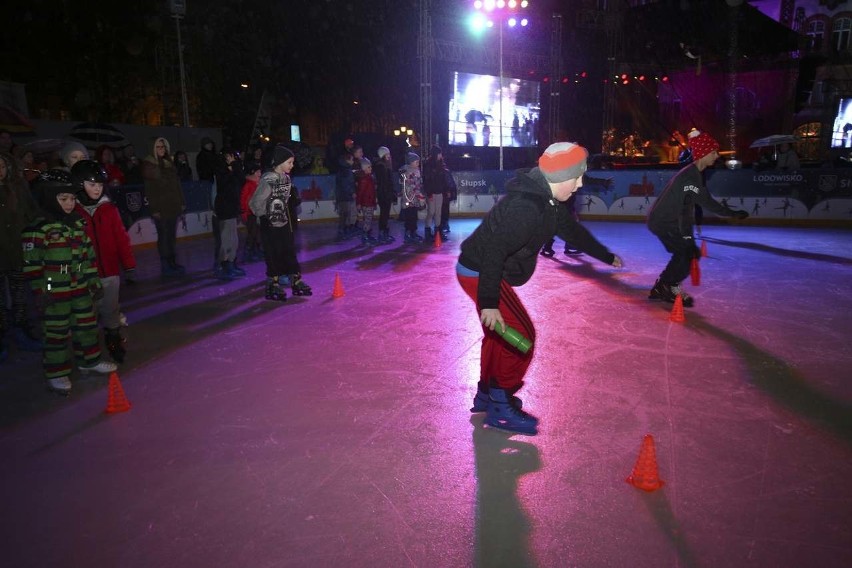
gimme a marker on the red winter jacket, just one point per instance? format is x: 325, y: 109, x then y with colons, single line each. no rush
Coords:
x: 365, y: 194
x: 249, y: 187
x: 108, y: 236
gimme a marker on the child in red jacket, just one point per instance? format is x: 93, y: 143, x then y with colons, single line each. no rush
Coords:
x: 365, y: 200
x: 254, y: 250
x: 111, y: 244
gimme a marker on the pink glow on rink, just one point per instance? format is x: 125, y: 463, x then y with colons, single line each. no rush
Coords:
x: 336, y: 431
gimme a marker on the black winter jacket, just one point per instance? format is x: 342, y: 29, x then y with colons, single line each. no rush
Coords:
x: 229, y: 184
x: 505, y: 246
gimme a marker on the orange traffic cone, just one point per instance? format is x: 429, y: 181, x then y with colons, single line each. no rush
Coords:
x: 337, y: 292
x: 677, y: 311
x: 695, y: 272
x: 703, y: 248
x: 437, y: 239
x: 116, y: 401
x: 645, y: 475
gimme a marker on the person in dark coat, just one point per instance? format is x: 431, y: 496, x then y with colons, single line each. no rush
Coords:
x: 500, y: 255
x: 229, y: 183
x: 672, y: 218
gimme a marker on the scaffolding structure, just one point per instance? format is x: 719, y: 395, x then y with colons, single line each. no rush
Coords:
x: 424, y: 54
x: 614, y: 40
x: 556, y: 71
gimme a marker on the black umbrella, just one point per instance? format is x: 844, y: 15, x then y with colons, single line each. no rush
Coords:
x: 43, y: 147
x: 94, y: 134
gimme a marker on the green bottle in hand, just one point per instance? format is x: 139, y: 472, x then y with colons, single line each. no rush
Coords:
x: 514, y: 338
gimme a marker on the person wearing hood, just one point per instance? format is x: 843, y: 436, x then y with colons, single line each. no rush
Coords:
x: 72, y: 153
x: 206, y: 160
x: 59, y: 263
x: 165, y: 202
x: 500, y: 255
x: 111, y: 245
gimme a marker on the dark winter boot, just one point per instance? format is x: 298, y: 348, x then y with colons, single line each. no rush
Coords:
x: 668, y: 293
x: 224, y: 272
x: 299, y: 287
x: 175, y: 266
x: 547, y: 250
x: 236, y: 269
x: 115, y: 345
x: 504, y: 415
x: 167, y: 270
x: 231, y: 271
x: 274, y: 291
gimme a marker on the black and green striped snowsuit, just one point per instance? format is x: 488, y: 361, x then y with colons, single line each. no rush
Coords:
x: 60, y: 264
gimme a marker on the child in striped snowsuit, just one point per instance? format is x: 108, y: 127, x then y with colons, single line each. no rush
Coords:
x: 60, y: 264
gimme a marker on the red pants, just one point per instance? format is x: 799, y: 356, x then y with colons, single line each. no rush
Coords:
x: 501, y: 364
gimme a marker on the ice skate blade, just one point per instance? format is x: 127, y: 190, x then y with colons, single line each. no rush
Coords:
x: 497, y: 426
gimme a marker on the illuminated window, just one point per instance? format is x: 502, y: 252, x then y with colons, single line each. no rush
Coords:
x: 816, y: 33
x: 840, y: 33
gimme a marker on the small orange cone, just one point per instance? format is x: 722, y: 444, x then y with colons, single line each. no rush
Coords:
x: 437, y: 239
x: 695, y: 272
x: 337, y: 292
x: 116, y: 401
x: 677, y: 311
x: 645, y: 475
x: 703, y: 248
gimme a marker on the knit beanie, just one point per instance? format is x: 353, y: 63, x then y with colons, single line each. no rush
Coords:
x: 69, y: 147
x: 562, y: 161
x: 280, y: 154
x: 383, y: 151
x: 365, y: 163
x: 702, y: 145
x: 410, y: 158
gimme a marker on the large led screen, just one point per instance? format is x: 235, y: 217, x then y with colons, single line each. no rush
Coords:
x: 480, y: 105
x: 841, y: 133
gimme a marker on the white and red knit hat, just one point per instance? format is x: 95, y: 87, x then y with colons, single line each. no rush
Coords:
x: 702, y: 145
x: 562, y: 161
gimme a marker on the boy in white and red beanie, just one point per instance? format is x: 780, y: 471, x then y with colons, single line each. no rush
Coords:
x: 672, y: 218
x: 501, y: 254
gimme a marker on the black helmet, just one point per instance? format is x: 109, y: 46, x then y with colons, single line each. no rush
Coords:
x: 88, y: 170
x: 48, y: 185
x: 57, y: 179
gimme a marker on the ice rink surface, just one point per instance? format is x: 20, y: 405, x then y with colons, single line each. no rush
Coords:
x: 337, y: 432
